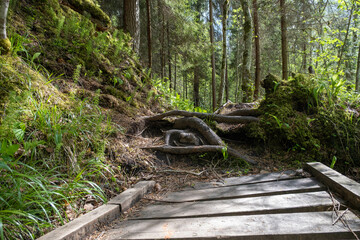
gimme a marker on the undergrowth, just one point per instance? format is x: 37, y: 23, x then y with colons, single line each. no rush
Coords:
x: 52, y: 153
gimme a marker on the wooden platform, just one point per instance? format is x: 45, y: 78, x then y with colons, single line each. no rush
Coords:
x: 268, y: 206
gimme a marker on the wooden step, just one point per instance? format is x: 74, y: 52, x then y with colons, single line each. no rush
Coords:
x: 346, y: 187
x: 249, y: 190
x: 267, y: 177
x: 286, y: 203
x: 309, y: 225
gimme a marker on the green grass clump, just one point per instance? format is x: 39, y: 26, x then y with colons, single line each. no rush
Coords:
x: 51, y: 152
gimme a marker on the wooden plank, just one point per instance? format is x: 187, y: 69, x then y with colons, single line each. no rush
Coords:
x: 257, y: 178
x: 346, y: 187
x: 312, y: 225
x: 250, y: 190
x: 132, y: 195
x: 286, y: 203
x: 81, y: 226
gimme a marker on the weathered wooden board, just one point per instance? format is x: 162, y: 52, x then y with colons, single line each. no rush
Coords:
x: 285, y: 203
x: 346, y: 187
x: 250, y: 190
x: 310, y: 225
x: 267, y: 177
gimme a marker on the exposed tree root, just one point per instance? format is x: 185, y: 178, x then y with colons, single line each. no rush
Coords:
x: 195, y: 123
x: 199, y: 149
x: 245, y: 112
x: 211, y: 116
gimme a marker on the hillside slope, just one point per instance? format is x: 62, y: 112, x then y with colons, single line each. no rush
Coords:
x: 70, y: 89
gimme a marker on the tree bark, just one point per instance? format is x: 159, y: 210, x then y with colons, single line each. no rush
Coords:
x: 132, y: 21
x: 175, y: 81
x: 169, y: 52
x: 284, y: 41
x: 257, y: 51
x: 148, y: 10
x: 246, y: 86
x: 213, y: 73
x: 215, y: 117
x: 357, y: 81
x: 196, y: 86
x: 223, y: 61
x: 5, y: 44
x: 162, y: 38
x: 226, y: 82
x: 346, y: 37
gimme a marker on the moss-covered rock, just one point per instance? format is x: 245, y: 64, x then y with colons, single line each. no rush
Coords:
x: 5, y: 46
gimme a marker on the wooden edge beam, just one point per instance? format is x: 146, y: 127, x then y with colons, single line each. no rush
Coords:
x: 346, y: 187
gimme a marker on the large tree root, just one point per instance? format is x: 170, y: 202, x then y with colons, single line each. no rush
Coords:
x: 216, y: 144
x: 198, y: 124
x: 245, y: 112
x: 211, y: 116
x: 199, y: 149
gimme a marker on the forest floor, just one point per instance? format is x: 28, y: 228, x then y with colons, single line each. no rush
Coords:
x: 184, y: 170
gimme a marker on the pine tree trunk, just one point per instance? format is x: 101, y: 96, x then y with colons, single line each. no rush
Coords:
x: 226, y: 82
x: 284, y: 41
x: 357, y: 82
x: 223, y: 61
x: 162, y: 40
x: 257, y: 51
x: 148, y: 10
x: 246, y: 78
x: 175, y: 82
x: 196, y: 86
x: 213, y: 73
x: 132, y: 21
x: 169, y: 52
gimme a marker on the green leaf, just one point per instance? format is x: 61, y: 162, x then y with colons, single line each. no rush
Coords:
x: 35, y: 56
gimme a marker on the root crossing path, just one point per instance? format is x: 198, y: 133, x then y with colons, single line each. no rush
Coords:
x: 284, y: 205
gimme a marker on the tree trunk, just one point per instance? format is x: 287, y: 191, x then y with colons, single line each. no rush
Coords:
x: 148, y: 10
x: 162, y: 40
x: 196, y: 86
x: 175, y: 82
x: 257, y: 51
x: 169, y: 51
x: 213, y: 73
x: 346, y: 37
x: 223, y: 62
x: 246, y: 86
x: 357, y: 82
x: 5, y: 44
x: 226, y: 82
x: 132, y: 21
x: 284, y: 41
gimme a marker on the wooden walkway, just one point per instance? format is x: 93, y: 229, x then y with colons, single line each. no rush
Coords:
x: 267, y: 206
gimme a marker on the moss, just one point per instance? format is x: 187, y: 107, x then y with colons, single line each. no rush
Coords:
x: 115, y: 92
x: 95, y: 12
x: 5, y: 46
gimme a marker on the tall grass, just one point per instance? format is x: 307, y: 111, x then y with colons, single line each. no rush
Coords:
x: 51, y: 156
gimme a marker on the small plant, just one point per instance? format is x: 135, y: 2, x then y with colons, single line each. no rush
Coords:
x: 76, y: 74
x: 333, y: 161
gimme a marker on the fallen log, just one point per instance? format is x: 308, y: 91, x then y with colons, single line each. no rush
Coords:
x: 199, y: 149
x: 212, y: 116
x: 244, y: 112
